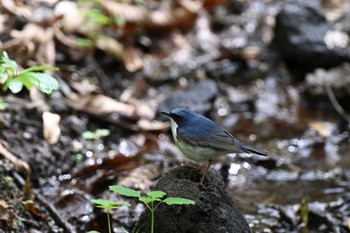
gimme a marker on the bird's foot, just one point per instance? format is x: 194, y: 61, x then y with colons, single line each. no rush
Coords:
x: 200, y: 168
x: 201, y: 184
x: 205, y: 172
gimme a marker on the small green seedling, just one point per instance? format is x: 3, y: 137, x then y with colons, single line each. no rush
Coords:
x: 99, y: 133
x: 3, y: 105
x: 96, y: 16
x: 33, y: 76
x: 108, y: 206
x: 152, y: 199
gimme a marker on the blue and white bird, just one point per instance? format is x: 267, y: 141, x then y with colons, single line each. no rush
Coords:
x: 201, y: 139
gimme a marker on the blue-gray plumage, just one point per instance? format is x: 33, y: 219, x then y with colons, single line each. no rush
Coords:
x: 201, y: 139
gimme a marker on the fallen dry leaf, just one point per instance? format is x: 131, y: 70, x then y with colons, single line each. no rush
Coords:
x: 151, y: 19
x: 132, y: 60
x: 38, y: 100
x: 100, y: 105
x: 32, y: 32
x: 249, y: 53
x: 147, y: 125
x: 46, y: 54
x: 3, y: 21
x: 51, y: 127
x: 72, y: 20
x: 191, y: 6
x: 7, y: 214
x: 33, y: 42
x: 110, y: 46
x: 142, y: 109
x: 84, y: 87
x: 20, y: 166
x: 47, y: 2
x: 22, y: 51
x: 334, y: 9
x: 3, y: 209
x: 141, y: 177
x: 323, y: 128
x: 16, y: 9
x: 64, y: 39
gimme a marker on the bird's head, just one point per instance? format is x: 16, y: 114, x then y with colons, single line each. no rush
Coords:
x: 180, y: 115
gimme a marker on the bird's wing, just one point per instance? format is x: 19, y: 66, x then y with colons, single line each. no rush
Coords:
x: 218, y: 139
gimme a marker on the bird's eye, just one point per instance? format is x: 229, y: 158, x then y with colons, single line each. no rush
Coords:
x: 178, y: 117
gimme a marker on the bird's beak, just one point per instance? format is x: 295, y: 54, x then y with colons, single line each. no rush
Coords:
x: 166, y: 113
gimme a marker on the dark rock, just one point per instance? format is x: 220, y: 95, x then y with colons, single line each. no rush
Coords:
x: 197, y: 98
x: 237, y: 7
x: 58, y: 104
x: 322, y: 84
x: 300, y: 33
x: 224, y: 69
x: 78, y: 125
x: 214, y: 210
x: 186, y: 62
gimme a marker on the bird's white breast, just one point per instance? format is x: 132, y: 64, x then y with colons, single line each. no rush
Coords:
x: 174, y: 130
x: 196, y: 153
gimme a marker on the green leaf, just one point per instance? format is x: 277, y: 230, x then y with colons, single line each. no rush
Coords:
x: 39, y: 68
x: 98, y: 16
x: 47, y: 83
x: 120, y: 21
x: 95, y: 135
x: 178, y: 201
x: 15, y: 85
x: 44, y: 82
x: 156, y: 194
x: 28, y: 80
x: 3, y: 105
x: 3, y: 71
x: 28, y: 77
x: 93, y: 231
x: 89, y: 135
x: 100, y: 203
x: 84, y: 42
x: 28, y: 202
x: 102, y: 133
x: 125, y: 191
x: 138, y: 2
x: 146, y: 199
x: 4, y: 57
x: 7, y: 62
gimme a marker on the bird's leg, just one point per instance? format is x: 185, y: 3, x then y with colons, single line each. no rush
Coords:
x: 205, y: 172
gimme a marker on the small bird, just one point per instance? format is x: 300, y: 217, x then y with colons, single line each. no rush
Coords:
x: 201, y: 139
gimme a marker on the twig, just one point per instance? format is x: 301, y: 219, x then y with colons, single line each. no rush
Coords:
x: 20, y: 166
x: 335, y: 103
x: 105, y: 81
x: 67, y: 227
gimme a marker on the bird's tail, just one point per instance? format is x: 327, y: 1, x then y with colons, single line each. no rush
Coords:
x: 250, y: 149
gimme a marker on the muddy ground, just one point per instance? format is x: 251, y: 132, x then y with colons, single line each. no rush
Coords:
x: 223, y: 59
